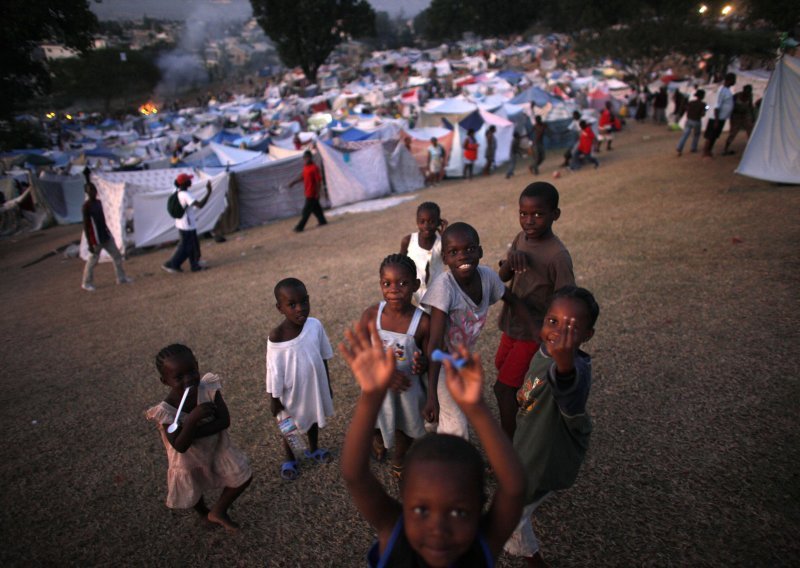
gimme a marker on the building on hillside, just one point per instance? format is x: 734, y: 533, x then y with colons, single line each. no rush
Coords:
x: 54, y: 51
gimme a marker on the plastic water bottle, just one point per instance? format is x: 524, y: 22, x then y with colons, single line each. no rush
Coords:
x: 288, y: 427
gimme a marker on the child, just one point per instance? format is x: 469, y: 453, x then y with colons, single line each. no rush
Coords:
x: 425, y: 246
x: 553, y: 427
x: 539, y: 130
x: 470, y: 153
x: 297, y: 371
x: 404, y: 330
x: 491, y: 150
x: 439, y: 521
x: 98, y: 237
x: 608, y: 124
x: 200, y: 454
x: 459, y: 301
x: 436, y: 161
x: 516, y: 149
x: 312, y: 181
x: 584, y: 148
x: 189, y: 244
x: 537, y: 264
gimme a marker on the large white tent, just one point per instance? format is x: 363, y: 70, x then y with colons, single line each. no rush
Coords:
x: 773, y: 151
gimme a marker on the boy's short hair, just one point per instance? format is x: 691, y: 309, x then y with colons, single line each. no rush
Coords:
x: 581, y: 294
x: 448, y: 449
x: 308, y: 154
x: 431, y: 207
x: 542, y: 190
x: 461, y: 227
x: 700, y: 94
x: 287, y: 283
x: 583, y: 124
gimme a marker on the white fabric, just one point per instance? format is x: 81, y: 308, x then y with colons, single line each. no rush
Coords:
x: 362, y: 175
x: 724, y: 102
x: 265, y: 195
x: 404, y: 173
x: 369, y: 206
x: 64, y: 196
x: 154, y: 225
x: 112, y: 196
x: 421, y: 258
x: 773, y: 151
x: 187, y: 201
x: 280, y: 153
x: 230, y: 156
x: 296, y: 375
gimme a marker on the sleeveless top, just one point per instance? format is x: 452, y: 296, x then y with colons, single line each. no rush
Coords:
x: 399, y: 553
x: 402, y: 410
x: 432, y: 259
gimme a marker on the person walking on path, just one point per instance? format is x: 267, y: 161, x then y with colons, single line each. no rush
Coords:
x: 312, y: 180
x: 189, y: 244
x: 743, y: 117
x: 695, y: 111
x: 722, y: 112
x: 538, y: 132
x: 491, y: 151
x: 99, y: 238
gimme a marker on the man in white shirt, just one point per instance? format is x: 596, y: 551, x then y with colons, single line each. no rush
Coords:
x: 189, y: 244
x: 722, y: 112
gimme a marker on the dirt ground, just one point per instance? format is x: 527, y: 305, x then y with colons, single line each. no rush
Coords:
x: 694, y: 456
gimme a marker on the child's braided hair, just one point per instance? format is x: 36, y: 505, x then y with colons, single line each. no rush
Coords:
x: 170, y: 351
x: 400, y: 260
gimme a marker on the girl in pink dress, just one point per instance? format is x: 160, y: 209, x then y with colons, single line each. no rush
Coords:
x: 200, y: 454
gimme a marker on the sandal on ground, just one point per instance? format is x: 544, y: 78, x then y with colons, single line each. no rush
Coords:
x: 289, y: 470
x: 378, y: 452
x: 321, y: 455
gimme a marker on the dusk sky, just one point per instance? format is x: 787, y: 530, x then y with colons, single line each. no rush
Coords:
x: 179, y: 9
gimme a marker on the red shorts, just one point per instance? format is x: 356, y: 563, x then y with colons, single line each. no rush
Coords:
x: 513, y: 359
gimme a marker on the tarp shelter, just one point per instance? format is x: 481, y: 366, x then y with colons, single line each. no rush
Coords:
x: 264, y: 192
x: 452, y: 110
x: 773, y: 151
x: 64, y: 196
x: 404, y: 172
x: 355, y: 175
x: 421, y: 140
x: 480, y: 121
x: 535, y: 95
x: 118, y: 191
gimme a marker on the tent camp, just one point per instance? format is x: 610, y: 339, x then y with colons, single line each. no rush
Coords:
x: 355, y: 175
x: 773, y: 151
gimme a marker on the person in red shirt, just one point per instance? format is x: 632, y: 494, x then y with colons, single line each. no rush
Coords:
x: 608, y: 125
x: 312, y: 180
x: 584, y: 149
x: 470, y: 153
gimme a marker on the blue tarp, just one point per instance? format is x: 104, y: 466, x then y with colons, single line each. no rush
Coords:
x: 511, y: 76
x: 535, y: 95
x: 472, y: 121
x: 101, y: 152
x: 354, y: 135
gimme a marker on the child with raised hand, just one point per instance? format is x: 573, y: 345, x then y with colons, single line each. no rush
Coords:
x: 425, y: 246
x: 438, y: 521
x: 459, y: 302
x: 537, y: 264
x: 553, y: 426
x: 298, y: 381
x: 200, y: 454
x: 404, y: 330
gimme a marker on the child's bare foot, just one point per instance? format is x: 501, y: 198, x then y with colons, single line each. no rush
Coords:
x: 224, y: 520
x: 202, y: 512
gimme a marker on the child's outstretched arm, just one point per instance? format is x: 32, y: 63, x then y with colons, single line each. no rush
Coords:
x: 437, y: 325
x: 373, y: 369
x: 466, y: 387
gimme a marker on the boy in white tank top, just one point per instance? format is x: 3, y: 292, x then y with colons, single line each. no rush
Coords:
x: 425, y: 246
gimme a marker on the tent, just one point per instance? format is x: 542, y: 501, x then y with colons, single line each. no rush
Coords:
x: 773, y: 151
x: 404, y: 173
x: 480, y: 121
x: 264, y: 192
x: 64, y: 196
x: 535, y: 95
x: 355, y: 175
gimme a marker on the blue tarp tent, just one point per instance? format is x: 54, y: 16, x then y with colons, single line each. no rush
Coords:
x: 535, y: 95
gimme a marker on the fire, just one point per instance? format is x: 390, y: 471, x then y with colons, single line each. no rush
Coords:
x: 148, y: 108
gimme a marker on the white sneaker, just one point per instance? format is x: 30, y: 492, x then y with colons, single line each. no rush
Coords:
x: 126, y: 280
x: 202, y: 263
x: 88, y: 287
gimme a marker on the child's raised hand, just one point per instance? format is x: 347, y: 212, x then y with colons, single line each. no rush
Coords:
x: 371, y: 365
x: 517, y: 260
x: 442, y: 225
x: 465, y: 384
x: 563, y: 351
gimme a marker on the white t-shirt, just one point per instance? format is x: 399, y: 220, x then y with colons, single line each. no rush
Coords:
x: 186, y: 223
x: 465, y: 320
x: 296, y: 375
x: 724, y: 103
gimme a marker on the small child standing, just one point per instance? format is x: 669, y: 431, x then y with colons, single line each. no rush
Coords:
x: 470, y: 153
x: 425, y: 246
x: 200, y: 454
x: 440, y: 519
x: 404, y: 330
x: 298, y: 351
x: 459, y: 301
x: 553, y: 426
x: 537, y: 264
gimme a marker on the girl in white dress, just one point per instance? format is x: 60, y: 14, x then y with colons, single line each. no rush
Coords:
x: 403, y: 329
x: 200, y: 454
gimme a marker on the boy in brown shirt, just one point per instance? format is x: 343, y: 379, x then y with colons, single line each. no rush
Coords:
x: 537, y: 265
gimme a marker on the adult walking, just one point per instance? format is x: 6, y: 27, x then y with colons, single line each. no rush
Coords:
x: 695, y: 111
x: 743, y: 117
x: 312, y: 180
x: 722, y: 112
x: 189, y: 244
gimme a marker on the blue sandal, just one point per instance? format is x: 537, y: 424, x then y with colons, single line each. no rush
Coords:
x: 289, y: 471
x: 321, y: 455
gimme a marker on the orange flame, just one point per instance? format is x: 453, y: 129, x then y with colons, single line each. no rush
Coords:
x: 148, y: 108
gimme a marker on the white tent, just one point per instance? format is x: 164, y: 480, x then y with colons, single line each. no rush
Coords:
x: 264, y: 192
x: 355, y: 175
x: 773, y: 151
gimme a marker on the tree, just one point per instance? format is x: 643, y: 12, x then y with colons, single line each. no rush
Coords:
x: 24, y: 25
x: 306, y: 31
x: 449, y: 19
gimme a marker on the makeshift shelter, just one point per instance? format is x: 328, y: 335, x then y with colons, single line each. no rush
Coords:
x: 404, y: 173
x: 355, y: 175
x: 535, y: 95
x: 480, y: 121
x: 64, y: 196
x: 451, y: 110
x: 264, y: 192
x: 773, y: 151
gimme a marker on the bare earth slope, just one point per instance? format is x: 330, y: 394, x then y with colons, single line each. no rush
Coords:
x: 693, y: 460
